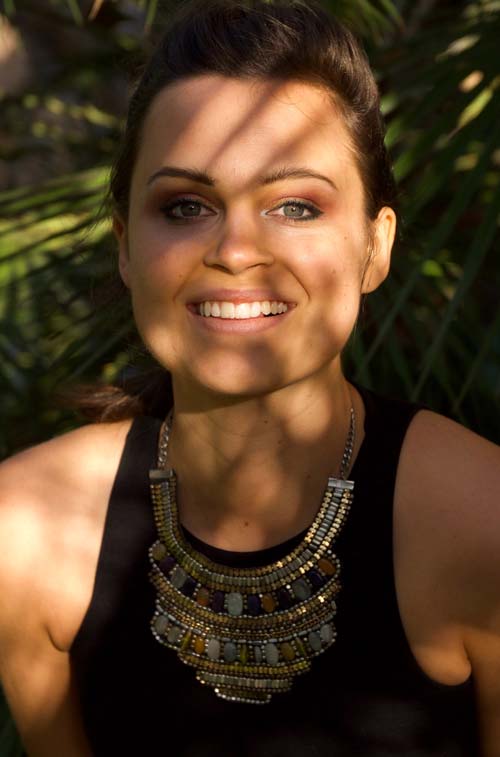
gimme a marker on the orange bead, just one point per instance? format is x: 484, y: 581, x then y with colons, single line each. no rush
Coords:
x: 268, y: 602
x: 287, y: 651
x: 199, y: 645
x: 203, y: 597
x: 328, y: 568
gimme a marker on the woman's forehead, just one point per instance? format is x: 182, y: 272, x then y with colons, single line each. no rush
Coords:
x: 243, y: 125
x: 232, y: 93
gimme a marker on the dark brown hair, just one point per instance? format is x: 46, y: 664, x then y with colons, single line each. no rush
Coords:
x: 251, y: 39
x: 259, y: 39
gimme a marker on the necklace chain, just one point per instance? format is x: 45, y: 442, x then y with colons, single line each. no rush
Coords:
x: 345, y: 462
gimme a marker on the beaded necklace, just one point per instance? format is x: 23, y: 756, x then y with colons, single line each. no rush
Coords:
x: 247, y: 631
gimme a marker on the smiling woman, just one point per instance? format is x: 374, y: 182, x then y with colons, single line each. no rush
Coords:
x: 187, y: 559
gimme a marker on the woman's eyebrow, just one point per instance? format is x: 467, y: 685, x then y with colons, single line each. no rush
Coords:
x: 182, y: 173
x: 295, y: 173
x: 277, y: 175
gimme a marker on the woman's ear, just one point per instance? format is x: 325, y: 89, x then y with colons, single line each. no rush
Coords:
x: 120, y: 232
x: 379, y: 261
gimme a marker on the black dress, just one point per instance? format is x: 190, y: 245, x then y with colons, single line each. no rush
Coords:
x: 366, y: 696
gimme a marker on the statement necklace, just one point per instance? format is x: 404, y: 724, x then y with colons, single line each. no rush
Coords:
x: 247, y: 631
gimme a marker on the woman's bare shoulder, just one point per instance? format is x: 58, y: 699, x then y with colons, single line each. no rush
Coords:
x: 53, y: 502
x: 84, y: 442
x: 457, y: 470
x: 448, y: 484
x: 41, y: 475
x: 448, y: 494
x: 452, y: 476
x: 61, y: 482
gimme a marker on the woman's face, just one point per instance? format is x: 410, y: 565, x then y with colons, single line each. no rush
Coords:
x: 247, y: 192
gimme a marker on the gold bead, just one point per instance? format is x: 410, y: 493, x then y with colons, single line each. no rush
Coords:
x: 199, y: 645
x: 268, y: 602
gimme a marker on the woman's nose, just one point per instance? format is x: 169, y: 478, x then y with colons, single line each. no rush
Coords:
x: 239, y: 247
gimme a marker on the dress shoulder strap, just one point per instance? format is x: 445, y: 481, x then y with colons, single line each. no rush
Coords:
x: 128, y: 530
x: 366, y: 544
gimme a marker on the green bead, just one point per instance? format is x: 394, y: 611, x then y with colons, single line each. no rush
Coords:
x: 301, y: 589
x: 186, y: 640
x: 300, y: 647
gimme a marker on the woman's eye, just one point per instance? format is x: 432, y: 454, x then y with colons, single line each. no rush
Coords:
x: 296, y: 210
x: 184, y: 209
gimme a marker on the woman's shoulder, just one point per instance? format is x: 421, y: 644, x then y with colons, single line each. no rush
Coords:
x: 43, y: 475
x: 448, y: 500
x: 452, y: 465
x: 449, y: 479
x: 53, y: 503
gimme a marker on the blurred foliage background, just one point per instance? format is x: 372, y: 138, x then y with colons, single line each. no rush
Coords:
x: 431, y: 333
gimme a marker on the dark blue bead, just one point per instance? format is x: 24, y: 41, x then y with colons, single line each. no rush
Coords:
x: 218, y: 601
x: 285, y: 599
x: 253, y: 604
x: 167, y: 564
x: 188, y: 587
x: 315, y: 578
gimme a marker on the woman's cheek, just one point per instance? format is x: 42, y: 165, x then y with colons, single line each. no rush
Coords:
x: 333, y: 265
x: 158, y: 267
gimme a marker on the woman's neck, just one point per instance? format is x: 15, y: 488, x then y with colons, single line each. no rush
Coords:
x: 252, y: 474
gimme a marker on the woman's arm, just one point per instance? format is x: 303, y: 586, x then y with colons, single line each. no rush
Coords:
x: 53, y: 503
x: 35, y: 674
x: 43, y: 700
x: 450, y: 477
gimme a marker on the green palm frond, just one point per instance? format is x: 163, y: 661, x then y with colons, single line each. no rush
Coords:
x: 51, y: 247
x: 370, y: 17
x: 443, y: 131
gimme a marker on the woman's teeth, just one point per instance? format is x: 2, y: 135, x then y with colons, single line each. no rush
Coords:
x: 242, y: 310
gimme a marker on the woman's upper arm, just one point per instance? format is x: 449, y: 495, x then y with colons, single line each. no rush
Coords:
x: 452, y: 477
x: 38, y: 684
x: 35, y: 674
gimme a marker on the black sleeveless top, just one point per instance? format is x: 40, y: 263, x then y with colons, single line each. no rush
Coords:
x: 366, y: 696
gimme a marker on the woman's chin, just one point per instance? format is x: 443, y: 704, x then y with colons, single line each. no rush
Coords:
x: 229, y: 385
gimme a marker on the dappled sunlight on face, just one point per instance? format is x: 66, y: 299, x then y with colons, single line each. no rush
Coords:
x: 272, y: 209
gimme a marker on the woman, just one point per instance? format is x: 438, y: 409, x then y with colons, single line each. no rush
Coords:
x: 254, y: 206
